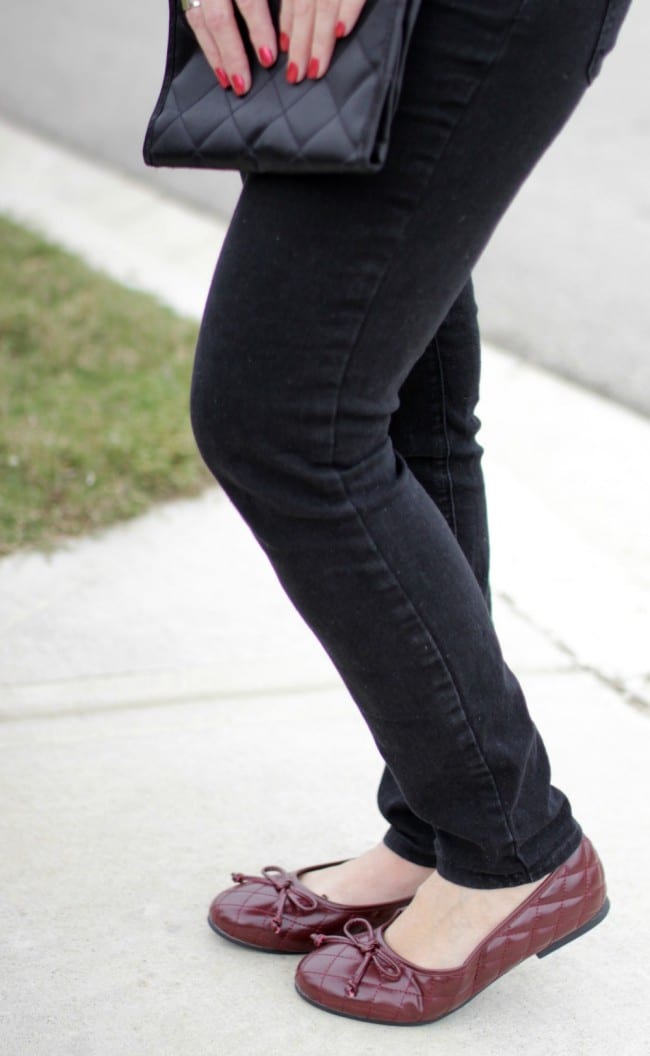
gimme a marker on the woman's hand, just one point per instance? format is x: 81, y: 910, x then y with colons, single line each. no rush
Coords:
x: 308, y: 32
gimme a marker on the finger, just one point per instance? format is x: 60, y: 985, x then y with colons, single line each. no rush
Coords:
x: 220, y: 73
x: 286, y: 23
x: 260, y: 29
x: 302, y: 31
x: 323, y: 38
x: 207, y: 44
x: 349, y: 11
x: 221, y: 26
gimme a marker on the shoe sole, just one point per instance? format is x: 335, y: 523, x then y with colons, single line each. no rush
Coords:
x: 599, y: 916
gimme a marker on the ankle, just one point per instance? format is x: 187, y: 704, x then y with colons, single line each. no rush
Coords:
x: 377, y: 875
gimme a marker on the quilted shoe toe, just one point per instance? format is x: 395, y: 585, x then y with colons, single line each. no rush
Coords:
x: 326, y: 978
x: 234, y: 920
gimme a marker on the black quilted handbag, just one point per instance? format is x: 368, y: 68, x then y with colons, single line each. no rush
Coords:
x: 339, y: 123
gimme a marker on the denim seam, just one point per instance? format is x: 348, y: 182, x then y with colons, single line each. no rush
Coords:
x: 445, y: 433
x: 410, y: 219
x: 548, y: 864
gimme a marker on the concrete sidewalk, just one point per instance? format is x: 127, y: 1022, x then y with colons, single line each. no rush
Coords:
x: 167, y: 716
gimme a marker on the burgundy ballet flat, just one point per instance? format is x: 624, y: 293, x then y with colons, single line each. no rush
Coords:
x: 274, y: 912
x: 357, y: 974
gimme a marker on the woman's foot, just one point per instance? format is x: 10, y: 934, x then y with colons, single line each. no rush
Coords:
x: 445, y: 922
x: 378, y: 875
x: 276, y: 911
x: 450, y: 943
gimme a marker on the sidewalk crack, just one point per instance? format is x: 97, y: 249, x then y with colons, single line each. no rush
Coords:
x: 628, y: 696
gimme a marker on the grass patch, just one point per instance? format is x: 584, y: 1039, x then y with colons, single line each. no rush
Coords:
x: 94, y: 421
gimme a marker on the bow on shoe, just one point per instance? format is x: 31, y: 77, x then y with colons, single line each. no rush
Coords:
x: 365, y: 941
x: 274, y: 876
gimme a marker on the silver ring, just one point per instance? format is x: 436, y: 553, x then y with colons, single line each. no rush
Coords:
x: 187, y: 5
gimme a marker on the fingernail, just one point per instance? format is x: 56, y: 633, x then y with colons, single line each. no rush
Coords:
x: 339, y: 29
x: 292, y: 73
x: 284, y: 42
x: 222, y: 77
x: 312, y: 69
x: 238, y: 84
x: 266, y: 56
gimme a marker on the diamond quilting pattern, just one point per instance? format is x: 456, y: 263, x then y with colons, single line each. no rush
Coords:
x: 340, y: 122
x: 573, y: 896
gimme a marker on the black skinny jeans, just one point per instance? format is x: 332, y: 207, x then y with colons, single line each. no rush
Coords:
x: 333, y: 396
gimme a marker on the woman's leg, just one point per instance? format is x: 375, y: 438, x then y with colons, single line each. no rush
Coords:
x: 325, y: 296
x: 434, y: 430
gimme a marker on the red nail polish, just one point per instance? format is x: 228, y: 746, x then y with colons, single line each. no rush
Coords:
x: 238, y: 84
x: 339, y: 29
x: 292, y: 73
x: 222, y: 77
x: 284, y: 42
x: 266, y: 56
x: 312, y: 69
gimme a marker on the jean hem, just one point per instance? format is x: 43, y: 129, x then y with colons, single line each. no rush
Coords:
x: 402, y: 846
x: 545, y: 865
